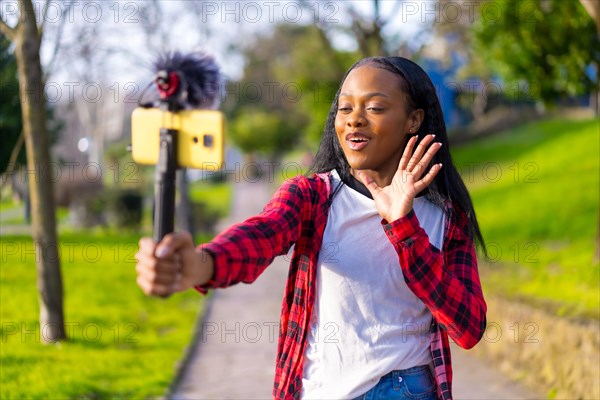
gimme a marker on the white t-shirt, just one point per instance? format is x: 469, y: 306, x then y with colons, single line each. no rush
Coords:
x: 366, y: 321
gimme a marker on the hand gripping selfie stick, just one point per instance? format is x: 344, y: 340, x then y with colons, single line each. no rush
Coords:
x: 183, y: 82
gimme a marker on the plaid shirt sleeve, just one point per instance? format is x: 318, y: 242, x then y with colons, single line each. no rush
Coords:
x: 242, y: 252
x: 448, y: 281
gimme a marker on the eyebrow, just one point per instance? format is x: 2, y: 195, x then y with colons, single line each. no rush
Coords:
x: 368, y: 95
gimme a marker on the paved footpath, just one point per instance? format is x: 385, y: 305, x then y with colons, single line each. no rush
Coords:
x: 234, y: 353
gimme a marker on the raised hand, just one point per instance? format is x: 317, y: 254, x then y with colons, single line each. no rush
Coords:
x: 396, y: 200
x: 172, y: 266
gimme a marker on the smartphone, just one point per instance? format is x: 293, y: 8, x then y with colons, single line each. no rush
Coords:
x: 200, y: 137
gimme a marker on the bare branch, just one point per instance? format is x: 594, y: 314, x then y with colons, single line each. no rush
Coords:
x: 392, y: 14
x: 326, y: 41
x: 55, y: 50
x: 376, y: 11
x: 57, y: 42
x: 152, y: 24
x: 337, y: 62
x: 44, y: 14
x: 7, y: 30
x: 12, y: 162
x: 359, y: 28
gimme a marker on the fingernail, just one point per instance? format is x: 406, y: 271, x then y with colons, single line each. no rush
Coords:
x: 161, y: 252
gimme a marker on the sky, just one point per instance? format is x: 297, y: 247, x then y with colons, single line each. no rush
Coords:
x: 119, y: 30
x: 106, y: 48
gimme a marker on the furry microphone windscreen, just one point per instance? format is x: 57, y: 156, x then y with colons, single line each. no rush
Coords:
x: 200, y: 79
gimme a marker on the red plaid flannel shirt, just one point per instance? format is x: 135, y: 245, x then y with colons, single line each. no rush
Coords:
x: 447, y: 282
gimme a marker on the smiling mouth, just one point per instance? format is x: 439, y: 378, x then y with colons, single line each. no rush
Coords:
x: 357, y: 143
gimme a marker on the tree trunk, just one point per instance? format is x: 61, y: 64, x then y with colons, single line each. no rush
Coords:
x: 49, y: 280
x: 12, y: 161
x: 593, y: 8
x: 595, y: 100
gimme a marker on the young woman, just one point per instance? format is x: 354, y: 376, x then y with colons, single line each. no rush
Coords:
x: 372, y: 322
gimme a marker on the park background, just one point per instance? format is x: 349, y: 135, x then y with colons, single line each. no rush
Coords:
x: 518, y: 82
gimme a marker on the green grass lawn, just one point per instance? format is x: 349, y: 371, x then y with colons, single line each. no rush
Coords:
x: 536, y: 194
x: 11, y: 212
x: 121, y: 343
x: 216, y: 196
x: 6, y: 203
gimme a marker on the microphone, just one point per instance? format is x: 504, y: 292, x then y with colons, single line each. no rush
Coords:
x: 187, y: 81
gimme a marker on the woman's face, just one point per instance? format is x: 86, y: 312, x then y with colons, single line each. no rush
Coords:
x: 372, y: 121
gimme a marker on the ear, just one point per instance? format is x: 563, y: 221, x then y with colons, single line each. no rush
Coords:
x: 415, y: 118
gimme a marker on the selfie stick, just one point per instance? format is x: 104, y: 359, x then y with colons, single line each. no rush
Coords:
x: 164, y: 185
x: 167, y: 84
x: 183, y: 82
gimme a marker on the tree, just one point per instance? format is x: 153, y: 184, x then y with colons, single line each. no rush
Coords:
x: 367, y: 31
x: 26, y: 36
x: 262, y: 131
x: 453, y: 41
x: 593, y: 8
x: 551, y: 45
x: 286, y: 91
x: 260, y: 105
x: 10, y: 110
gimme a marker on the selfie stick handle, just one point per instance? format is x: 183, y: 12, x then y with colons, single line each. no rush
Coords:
x: 164, y: 186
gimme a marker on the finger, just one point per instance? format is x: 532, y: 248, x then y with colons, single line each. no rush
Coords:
x: 418, y: 154
x: 422, y: 164
x: 147, y: 245
x: 161, y: 280
x: 152, y: 289
x: 369, y: 183
x: 149, y: 260
x: 159, y: 277
x: 153, y: 267
x: 145, y: 261
x: 152, y: 277
x: 143, y: 284
x: 421, y: 184
x: 407, y: 152
x: 172, y: 242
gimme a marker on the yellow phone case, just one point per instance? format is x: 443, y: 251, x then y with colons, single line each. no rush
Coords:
x: 200, y: 138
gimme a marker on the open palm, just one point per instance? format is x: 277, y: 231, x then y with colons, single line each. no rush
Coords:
x: 396, y: 200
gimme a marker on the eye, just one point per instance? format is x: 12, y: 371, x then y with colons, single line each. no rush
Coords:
x: 345, y: 109
x: 375, y: 109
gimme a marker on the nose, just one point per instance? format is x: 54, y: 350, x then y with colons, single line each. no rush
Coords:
x: 356, y: 119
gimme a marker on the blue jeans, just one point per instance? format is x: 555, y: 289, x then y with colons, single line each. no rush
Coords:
x: 411, y: 383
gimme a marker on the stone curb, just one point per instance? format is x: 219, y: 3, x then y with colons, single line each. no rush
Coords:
x: 191, y: 349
